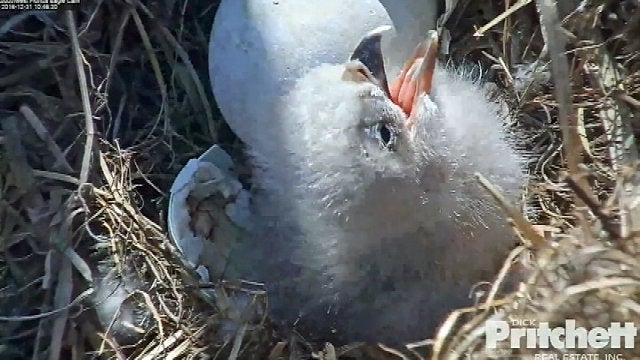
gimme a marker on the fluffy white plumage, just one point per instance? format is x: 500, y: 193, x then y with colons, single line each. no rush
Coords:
x: 356, y: 242
x: 414, y: 219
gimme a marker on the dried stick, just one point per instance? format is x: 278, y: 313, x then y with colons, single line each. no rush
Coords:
x: 84, y: 94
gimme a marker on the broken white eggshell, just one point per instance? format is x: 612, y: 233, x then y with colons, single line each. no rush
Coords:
x: 208, y: 210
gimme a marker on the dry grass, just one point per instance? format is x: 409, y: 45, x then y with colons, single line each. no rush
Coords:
x: 579, y: 126
x: 101, y: 109
x: 114, y: 106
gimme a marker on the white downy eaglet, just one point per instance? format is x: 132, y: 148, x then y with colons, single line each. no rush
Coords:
x: 368, y: 223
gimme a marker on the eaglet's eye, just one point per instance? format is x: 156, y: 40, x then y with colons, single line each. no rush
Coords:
x: 385, y: 134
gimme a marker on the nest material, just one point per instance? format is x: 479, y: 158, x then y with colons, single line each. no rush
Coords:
x: 586, y: 275
x: 584, y: 263
x: 102, y: 106
x: 95, y: 103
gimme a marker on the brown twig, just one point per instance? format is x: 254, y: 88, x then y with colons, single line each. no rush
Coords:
x: 84, y: 94
x: 504, y: 15
x: 184, y: 56
x: 556, y: 43
x: 523, y: 225
x: 608, y: 221
x: 45, y: 136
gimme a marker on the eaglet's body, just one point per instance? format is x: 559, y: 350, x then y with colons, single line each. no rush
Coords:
x: 362, y: 243
x: 369, y: 222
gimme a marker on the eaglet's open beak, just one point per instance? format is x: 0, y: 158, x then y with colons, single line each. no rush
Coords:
x: 415, y: 78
